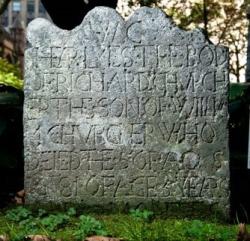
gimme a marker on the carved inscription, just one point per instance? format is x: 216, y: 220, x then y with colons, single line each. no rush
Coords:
x: 143, y: 71
x: 130, y: 111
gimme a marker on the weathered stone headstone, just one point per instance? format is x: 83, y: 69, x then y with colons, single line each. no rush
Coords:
x: 125, y: 113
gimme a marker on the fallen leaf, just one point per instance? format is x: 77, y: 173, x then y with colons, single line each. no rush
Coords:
x: 101, y: 238
x: 18, y: 200
x: 38, y: 238
x: 4, y: 238
x: 21, y: 194
x: 243, y: 234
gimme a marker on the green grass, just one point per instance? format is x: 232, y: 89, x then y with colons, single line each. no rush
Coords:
x: 134, y: 226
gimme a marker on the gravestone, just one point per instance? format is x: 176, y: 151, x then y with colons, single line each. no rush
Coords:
x: 125, y: 114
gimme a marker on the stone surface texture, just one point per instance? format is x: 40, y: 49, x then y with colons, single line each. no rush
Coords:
x: 125, y: 113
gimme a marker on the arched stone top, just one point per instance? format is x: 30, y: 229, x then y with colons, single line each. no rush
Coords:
x: 104, y: 25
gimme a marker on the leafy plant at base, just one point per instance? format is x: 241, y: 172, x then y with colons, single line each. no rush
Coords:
x: 206, y: 231
x: 19, y: 222
x: 18, y: 214
x: 71, y: 212
x: 41, y: 213
x: 136, y: 230
x: 29, y: 224
x: 14, y: 234
x: 144, y: 215
x: 139, y: 228
x: 88, y: 226
x: 10, y: 75
x: 55, y: 221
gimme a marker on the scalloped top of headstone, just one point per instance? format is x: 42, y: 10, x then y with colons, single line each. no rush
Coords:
x: 104, y: 26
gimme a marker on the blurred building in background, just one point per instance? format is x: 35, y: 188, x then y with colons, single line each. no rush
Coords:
x: 24, y: 11
x: 15, y: 20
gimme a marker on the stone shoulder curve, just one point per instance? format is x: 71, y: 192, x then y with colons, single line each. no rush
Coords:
x: 144, y: 26
x: 40, y: 31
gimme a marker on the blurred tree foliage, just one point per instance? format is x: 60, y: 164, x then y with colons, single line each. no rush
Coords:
x: 225, y: 23
x: 10, y: 75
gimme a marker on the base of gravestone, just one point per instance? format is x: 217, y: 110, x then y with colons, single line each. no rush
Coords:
x: 199, y: 210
